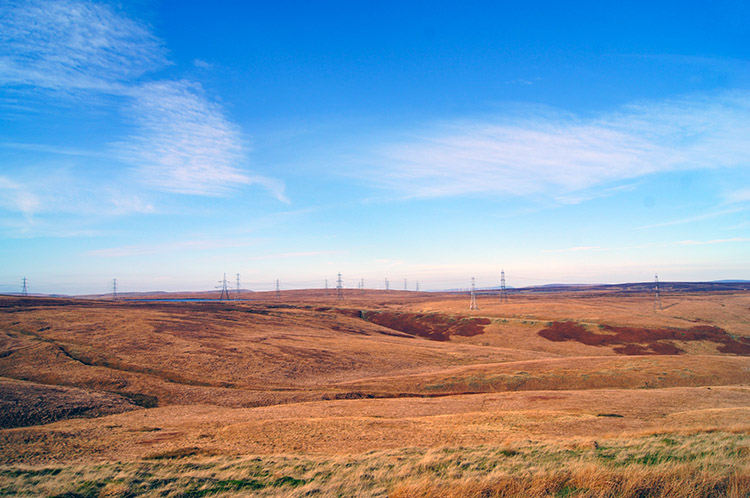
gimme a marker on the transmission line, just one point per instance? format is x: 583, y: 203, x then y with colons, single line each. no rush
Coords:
x: 224, y: 288
x: 503, y: 291
x: 339, y: 288
x: 473, y: 305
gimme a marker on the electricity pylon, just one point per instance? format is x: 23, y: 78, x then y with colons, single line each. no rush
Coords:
x: 224, y: 288
x: 339, y: 289
x: 473, y: 305
x: 503, y: 291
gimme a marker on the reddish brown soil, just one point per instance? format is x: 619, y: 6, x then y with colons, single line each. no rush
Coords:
x: 27, y: 403
x: 637, y: 341
x: 436, y: 327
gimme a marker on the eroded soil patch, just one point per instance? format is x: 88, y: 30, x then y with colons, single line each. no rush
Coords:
x: 26, y: 403
x: 638, y: 341
x: 432, y: 326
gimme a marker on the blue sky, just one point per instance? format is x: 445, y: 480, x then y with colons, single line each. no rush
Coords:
x: 164, y: 143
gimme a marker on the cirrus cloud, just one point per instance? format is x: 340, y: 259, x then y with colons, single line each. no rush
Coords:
x: 70, y: 44
x: 182, y: 142
x: 562, y: 155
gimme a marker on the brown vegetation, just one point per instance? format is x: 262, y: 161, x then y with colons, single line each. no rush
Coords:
x: 590, y: 481
x: 640, y: 341
x: 431, y: 326
x: 27, y: 403
x: 398, y: 394
x: 684, y: 465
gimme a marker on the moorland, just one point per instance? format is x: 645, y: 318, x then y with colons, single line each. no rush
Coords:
x: 593, y: 392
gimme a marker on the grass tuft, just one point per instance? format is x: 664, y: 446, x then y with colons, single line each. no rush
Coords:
x: 694, y: 465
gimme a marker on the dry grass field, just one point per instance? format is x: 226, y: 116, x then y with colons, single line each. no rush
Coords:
x: 381, y: 394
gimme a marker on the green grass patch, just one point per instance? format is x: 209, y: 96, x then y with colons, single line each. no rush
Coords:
x: 223, y: 487
x: 567, y: 491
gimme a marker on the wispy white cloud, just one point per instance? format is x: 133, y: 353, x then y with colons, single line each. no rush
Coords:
x: 202, y: 64
x: 183, y: 142
x: 693, y: 219
x: 523, y: 81
x: 126, y: 204
x: 16, y: 197
x: 561, y: 155
x: 711, y: 242
x: 274, y: 186
x: 53, y: 192
x: 738, y: 196
x: 170, y: 247
x: 66, y: 44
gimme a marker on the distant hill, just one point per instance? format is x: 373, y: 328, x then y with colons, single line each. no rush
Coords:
x: 212, y: 294
x: 736, y: 285
x: 629, y: 287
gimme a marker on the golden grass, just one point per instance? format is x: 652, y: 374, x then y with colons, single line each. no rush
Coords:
x: 233, y: 355
x: 303, y: 399
x: 695, y: 465
x: 358, y: 426
x: 726, y: 310
x: 251, y: 354
x: 623, y: 372
x: 590, y: 481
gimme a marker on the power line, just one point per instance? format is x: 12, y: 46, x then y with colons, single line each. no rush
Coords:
x: 657, y: 296
x: 326, y: 291
x: 503, y: 291
x: 417, y: 286
x: 473, y: 305
x: 238, y: 286
x: 339, y: 289
x: 224, y: 288
x: 278, y: 290
x: 362, y: 285
x: 386, y: 284
x: 405, y: 287
x: 25, y: 290
x: 114, y: 288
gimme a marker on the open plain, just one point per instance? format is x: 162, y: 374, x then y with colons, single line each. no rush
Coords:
x: 379, y: 394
